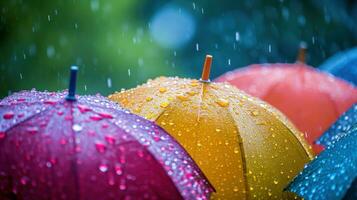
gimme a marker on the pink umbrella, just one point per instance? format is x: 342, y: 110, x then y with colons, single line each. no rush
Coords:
x: 87, y: 147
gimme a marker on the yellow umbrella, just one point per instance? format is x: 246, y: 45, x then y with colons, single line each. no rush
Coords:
x: 246, y: 148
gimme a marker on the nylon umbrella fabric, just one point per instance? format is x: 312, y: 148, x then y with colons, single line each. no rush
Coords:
x: 332, y: 175
x: 343, y: 65
x: 246, y: 148
x: 342, y: 126
x: 312, y: 100
x: 89, y: 148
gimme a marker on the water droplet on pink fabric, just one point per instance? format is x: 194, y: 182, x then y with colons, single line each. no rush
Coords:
x: 110, y: 139
x: 24, y: 180
x: 118, y: 170
x: 83, y: 108
x: 122, y: 185
x: 50, y: 102
x: 8, y: 115
x: 103, y: 168
x: 95, y: 117
x: 106, y: 115
x: 2, y: 135
x: 100, y: 147
x: 32, y: 130
x: 105, y: 125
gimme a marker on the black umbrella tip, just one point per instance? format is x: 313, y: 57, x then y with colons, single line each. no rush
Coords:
x: 72, y: 84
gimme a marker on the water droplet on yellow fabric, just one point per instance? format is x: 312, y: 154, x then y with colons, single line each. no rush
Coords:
x: 182, y: 97
x: 255, y: 113
x: 162, y: 89
x: 164, y: 104
x: 222, y: 102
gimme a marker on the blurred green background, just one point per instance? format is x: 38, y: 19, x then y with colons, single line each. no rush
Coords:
x: 121, y: 43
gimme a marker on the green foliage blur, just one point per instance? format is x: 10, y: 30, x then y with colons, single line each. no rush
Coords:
x: 111, y: 42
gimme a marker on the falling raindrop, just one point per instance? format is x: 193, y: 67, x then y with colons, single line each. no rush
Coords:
x: 50, y: 51
x: 197, y: 47
x: 237, y: 36
x: 129, y: 72
x: 109, y: 82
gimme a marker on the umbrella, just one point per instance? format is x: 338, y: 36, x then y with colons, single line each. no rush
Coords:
x: 87, y: 147
x: 345, y: 123
x: 332, y: 174
x: 246, y: 148
x: 310, y: 99
x: 343, y: 65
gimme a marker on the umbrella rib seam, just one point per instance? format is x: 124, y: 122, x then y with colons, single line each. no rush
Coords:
x: 75, y: 159
x: 243, y: 157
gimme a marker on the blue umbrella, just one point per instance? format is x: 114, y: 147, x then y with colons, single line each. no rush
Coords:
x: 343, y: 65
x: 340, y: 127
x: 332, y: 174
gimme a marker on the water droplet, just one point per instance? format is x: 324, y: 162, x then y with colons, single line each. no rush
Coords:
x: 32, y: 130
x: 122, y: 185
x: 50, y: 102
x: 199, y: 143
x: 24, y: 180
x: 182, y: 97
x: 110, y: 139
x: 276, y: 182
x: 191, y: 93
x: 8, y: 115
x: 105, y: 115
x: 162, y: 90
x: 148, y: 99
x: 194, y: 83
x: 77, y: 127
x: 235, y: 189
x: 218, y: 130
x: 2, y: 135
x: 236, y: 150
x: 118, y: 170
x: 103, y: 168
x: 83, y: 108
x: 255, y: 113
x: 95, y: 117
x: 222, y: 102
x: 164, y: 104
x: 100, y: 147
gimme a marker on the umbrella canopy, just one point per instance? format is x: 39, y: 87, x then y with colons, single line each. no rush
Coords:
x: 87, y: 147
x: 246, y: 148
x: 310, y: 99
x: 332, y: 175
x: 343, y: 65
x: 345, y: 123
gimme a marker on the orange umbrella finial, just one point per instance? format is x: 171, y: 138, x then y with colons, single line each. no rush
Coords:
x: 206, y: 69
x: 302, y: 52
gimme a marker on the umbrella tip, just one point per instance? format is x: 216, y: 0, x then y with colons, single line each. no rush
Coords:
x: 72, y: 84
x: 302, y: 52
x: 206, y: 69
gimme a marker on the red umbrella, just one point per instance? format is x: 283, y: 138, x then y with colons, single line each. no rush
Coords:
x: 87, y: 147
x: 312, y: 100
